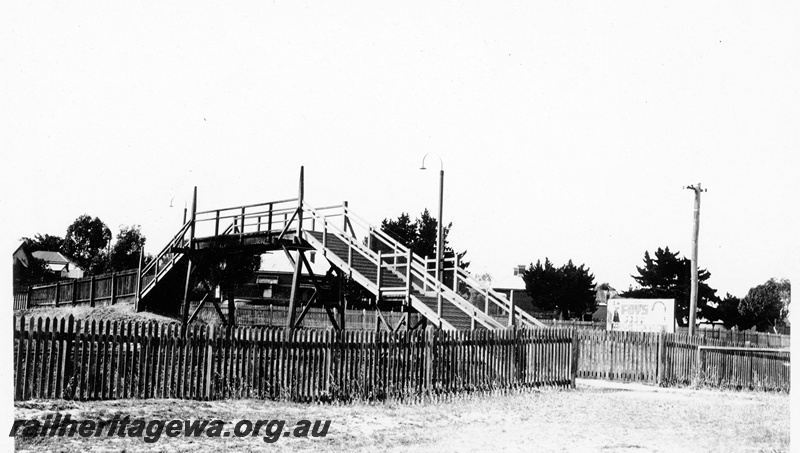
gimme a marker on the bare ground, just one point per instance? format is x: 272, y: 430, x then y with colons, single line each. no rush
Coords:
x: 596, y: 417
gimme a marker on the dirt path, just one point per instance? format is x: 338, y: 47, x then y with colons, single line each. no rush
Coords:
x: 594, y: 418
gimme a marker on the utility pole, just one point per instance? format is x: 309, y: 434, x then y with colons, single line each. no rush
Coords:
x: 696, y: 231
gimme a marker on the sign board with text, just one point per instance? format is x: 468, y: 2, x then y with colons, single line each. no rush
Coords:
x: 641, y: 315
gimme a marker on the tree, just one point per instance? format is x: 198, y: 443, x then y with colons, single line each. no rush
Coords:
x: 85, y: 241
x: 420, y: 236
x: 727, y: 311
x: 766, y: 306
x: 125, y: 252
x: 47, y: 242
x: 669, y: 277
x: 568, y: 289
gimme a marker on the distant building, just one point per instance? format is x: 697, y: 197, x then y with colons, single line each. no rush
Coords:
x: 22, y: 259
x: 273, y: 281
x: 602, y: 296
x: 513, y: 286
x: 59, y: 264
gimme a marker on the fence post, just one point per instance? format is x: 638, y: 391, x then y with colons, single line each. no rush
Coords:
x: 428, y: 359
x: 113, y: 288
x: 661, y: 358
x: 138, y: 281
x: 29, y: 302
x: 573, y: 366
x: 74, y: 292
x: 698, y: 372
x: 91, y: 292
x: 58, y: 290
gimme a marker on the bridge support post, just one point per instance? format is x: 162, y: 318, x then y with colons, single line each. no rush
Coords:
x: 299, y: 260
x: 187, y: 286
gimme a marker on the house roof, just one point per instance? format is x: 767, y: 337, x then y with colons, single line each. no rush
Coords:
x: 514, y: 282
x: 51, y: 257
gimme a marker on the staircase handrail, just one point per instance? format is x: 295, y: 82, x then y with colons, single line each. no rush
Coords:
x: 496, y: 298
x: 168, y: 248
x: 416, y: 266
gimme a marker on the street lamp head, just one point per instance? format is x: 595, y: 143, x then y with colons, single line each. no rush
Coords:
x: 173, y: 199
x: 441, y: 164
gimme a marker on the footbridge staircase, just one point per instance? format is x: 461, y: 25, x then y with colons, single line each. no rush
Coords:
x: 354, y: 247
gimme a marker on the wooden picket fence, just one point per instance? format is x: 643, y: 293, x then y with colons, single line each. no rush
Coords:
x: 734, y: 367
x: 70, y: 359
x: 674, y: 359
x: 105, y: 289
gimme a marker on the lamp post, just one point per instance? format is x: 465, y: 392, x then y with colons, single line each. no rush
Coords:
x: 184, y: 208
x: 439, y: 238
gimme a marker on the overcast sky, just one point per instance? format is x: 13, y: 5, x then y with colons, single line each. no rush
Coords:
x: 566, y: 129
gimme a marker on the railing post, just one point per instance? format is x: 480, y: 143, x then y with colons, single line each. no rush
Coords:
x: 378, y: 278
x: 30, y: 297
x: 344, y: 217
x: 455, y: 274
x: 324, y: 234
x: 408, y: 278
x: 216, y: 223
x: 486, y: 301
x: 269, y: 219
x: 241, y: 231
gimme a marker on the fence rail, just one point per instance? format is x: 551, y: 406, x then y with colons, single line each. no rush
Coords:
x: 64, y: 358
x: 735, y: 338
x: 315, y: 318
x: 105, y: 288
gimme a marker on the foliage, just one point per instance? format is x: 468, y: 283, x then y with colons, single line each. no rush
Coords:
x: 669, y: 277
x: 47, y: 243
x: 420, y: 235
x: 85, y: 241
x: 34, y: 273
x: 727, y: 311
x: 568, y: 289
x: 766, y: 306
x: 125, y: 252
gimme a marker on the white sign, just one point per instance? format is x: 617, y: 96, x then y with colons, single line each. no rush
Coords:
x: 641, y: 315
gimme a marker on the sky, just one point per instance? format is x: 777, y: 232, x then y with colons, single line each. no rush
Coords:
x: 565, y: 129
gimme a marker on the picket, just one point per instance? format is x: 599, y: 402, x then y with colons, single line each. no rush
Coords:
x: 71, y: 359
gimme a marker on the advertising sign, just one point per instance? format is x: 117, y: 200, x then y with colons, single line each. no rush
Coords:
x: 641, y: 315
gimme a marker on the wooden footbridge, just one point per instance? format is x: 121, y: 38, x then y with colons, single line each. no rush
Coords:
x: 353, y: 247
